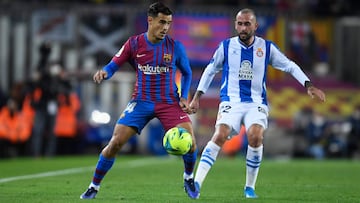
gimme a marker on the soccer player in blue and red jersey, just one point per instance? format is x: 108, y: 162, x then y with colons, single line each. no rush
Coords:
x: 155, y: 58
x: 243, y: 60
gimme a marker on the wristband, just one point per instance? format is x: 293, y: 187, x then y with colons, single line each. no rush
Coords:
x: 308, y: 84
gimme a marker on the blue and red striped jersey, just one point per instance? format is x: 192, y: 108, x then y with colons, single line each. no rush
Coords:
x: 155, y: 66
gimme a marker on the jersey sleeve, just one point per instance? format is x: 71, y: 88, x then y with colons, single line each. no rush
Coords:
x: 214, y: 66
x: 122, y: 56
x: 184, y: 66
x: 279, y: 61
x: 110, y: 68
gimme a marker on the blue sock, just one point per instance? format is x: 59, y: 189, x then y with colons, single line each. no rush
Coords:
x: 103, y: 166
x: 189, y: 164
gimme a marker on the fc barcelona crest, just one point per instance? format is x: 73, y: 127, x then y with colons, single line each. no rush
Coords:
x: 167, y: 58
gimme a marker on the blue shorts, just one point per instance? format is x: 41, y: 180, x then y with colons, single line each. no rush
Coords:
x: 138, y: 113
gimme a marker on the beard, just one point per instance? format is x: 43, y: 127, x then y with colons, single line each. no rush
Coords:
x: 245, y: 37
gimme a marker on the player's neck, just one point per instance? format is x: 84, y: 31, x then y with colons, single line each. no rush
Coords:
x: 152, y: 39
x: 248, y: 42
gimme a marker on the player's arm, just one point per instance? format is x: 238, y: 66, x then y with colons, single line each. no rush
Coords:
x: 207, y: 76
x: 214, y: 66
x: 184, y: 66
x: 195, y: 102
x: 279, y: 61
x: 205, y: 81
x: 182, y: 62
x: 109, y: 69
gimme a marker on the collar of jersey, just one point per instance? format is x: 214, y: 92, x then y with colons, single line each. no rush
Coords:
x: 150, y: 43
x: 244, y: 45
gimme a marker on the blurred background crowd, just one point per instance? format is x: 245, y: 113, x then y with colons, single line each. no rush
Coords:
x: 50, y: 49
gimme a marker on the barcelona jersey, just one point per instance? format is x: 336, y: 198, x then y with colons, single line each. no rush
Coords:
x: 155, y: 66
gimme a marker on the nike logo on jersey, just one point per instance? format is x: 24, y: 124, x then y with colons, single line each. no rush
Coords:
x: 140, y: 55
x: 182, y: 117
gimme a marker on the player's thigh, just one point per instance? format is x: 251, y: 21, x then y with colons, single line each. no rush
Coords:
x: 122, y: 134
x: 137, y: 114
x: 257, y: 114
x: 230, y: 114
x: 171, y: 115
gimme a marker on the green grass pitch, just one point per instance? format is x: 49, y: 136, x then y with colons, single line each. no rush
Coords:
x: 159, y: 179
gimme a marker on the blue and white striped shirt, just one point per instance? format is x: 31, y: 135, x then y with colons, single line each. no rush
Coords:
x: 244, y: 69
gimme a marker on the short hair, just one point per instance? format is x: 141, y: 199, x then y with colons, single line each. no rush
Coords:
x: 158, y: 7
x: 247, y: 11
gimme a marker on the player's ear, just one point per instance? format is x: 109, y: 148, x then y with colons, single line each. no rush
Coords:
x: 149, y: 19
x: 256, y: 26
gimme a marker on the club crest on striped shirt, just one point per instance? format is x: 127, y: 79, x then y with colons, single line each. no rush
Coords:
x: 167, y: 58
x: 259, y: 52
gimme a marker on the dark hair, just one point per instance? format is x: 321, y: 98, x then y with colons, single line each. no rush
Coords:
x: 158, y: 7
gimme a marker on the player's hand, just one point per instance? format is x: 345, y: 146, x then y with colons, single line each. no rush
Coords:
x: 99, y: 76
x: 194, y: 105
x: 183, y: 103
x: 313, y: 91
x: 195, y: 102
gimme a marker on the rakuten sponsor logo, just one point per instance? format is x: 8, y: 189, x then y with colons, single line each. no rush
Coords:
x: 153, y: 70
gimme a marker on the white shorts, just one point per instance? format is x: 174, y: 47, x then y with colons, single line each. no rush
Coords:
x: 234, y: 114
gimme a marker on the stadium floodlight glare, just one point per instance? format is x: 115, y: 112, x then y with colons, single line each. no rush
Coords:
x: 98, y: 117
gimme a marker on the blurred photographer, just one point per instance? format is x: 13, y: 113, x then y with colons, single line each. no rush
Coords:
x: 47, y: 84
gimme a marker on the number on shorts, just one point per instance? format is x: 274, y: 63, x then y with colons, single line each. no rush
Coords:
x: 225, y: 109
x: 130, y: 107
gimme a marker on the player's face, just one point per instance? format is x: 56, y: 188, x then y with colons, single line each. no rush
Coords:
x: 159, y: 27
x: 246, y: 25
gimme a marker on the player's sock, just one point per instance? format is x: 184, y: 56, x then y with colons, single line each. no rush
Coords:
x: 96, y: 187
x: 103, y: 166
x: 189, y: 164
x: 253, y: 161
x: 207, y: 159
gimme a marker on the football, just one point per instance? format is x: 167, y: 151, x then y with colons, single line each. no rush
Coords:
x: 177, y: 141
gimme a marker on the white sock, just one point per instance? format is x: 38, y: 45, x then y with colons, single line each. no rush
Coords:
x: 253, y: 161
x: 96, y: 187
x: 207, y: 159
x: 187, y: 176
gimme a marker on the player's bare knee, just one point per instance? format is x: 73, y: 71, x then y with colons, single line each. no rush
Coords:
x: 115, y: 144
x: 219, y: 138
x: 113, y: 149
x: 255, y: 135
x: 255, y: 140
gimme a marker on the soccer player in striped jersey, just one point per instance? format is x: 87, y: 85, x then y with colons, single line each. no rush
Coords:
x: 155, y: 58
x: 243, y: 60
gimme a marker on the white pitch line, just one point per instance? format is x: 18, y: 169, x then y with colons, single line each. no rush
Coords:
x: 130, y: 164
x: 46, y: 174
